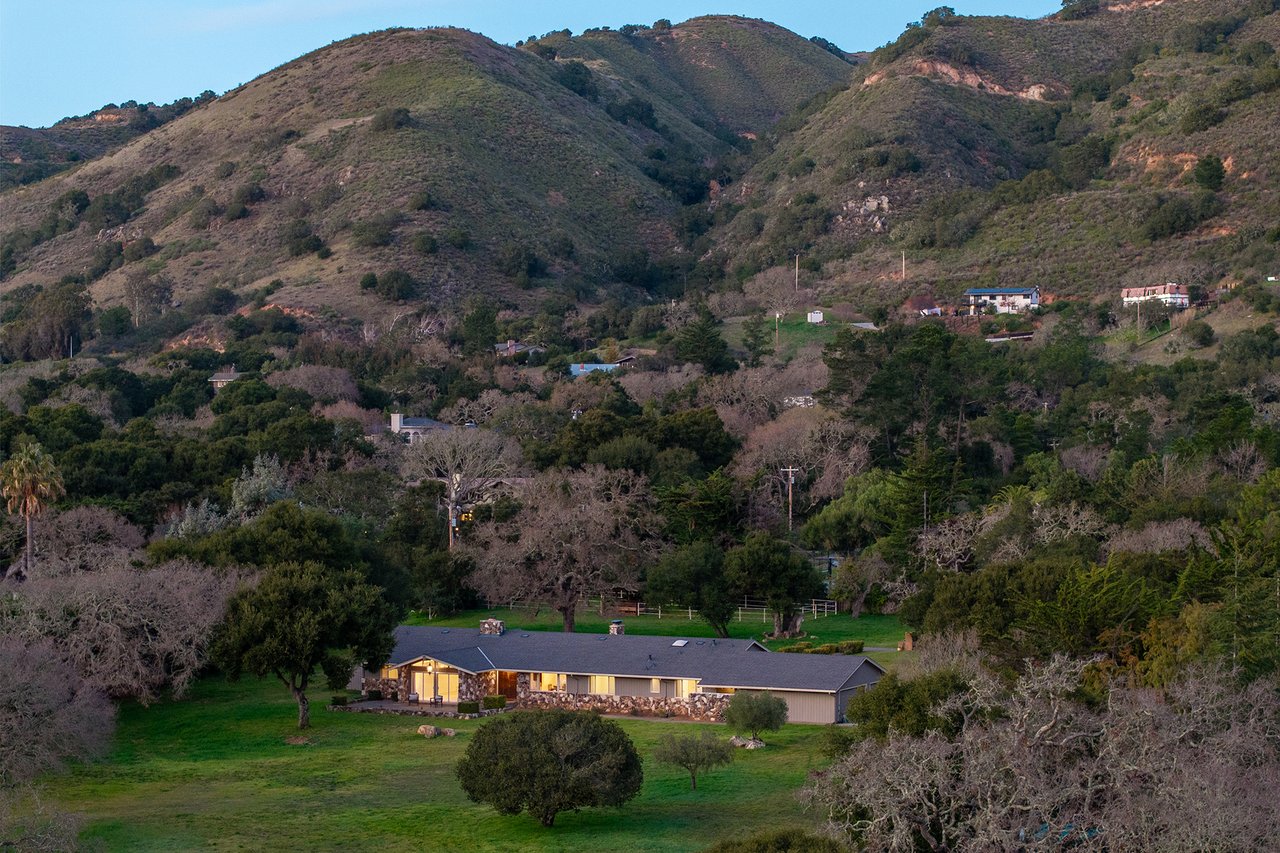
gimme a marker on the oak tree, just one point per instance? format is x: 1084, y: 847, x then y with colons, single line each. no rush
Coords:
x: 548, y: 761
x: 302, y: 617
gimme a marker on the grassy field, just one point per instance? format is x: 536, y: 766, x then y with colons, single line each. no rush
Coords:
x: 872, y: 629
x: 224, y: 769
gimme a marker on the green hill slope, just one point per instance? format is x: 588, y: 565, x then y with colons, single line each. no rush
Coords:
x: 439, y: 153
x: 1009, y: 151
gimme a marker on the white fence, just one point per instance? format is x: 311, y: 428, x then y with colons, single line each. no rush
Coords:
x: 749, y: 609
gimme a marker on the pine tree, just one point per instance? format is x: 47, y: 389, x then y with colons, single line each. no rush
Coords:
x: 755, y: 338
x: 700, y: 342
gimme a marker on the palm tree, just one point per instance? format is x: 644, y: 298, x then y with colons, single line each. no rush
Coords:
x: 30, y: 482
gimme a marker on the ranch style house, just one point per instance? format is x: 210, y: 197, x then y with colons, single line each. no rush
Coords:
x: 692, y: 677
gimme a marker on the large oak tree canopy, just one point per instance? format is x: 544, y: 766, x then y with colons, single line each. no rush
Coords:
x: 304, y: 616
x: 548, y: 761
x: 578, y: 533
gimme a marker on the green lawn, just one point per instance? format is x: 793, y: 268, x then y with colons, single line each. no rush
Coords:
x: 873, y: 629
x: 215, y: 771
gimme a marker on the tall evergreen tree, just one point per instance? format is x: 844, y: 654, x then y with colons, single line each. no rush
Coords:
x: 755, y: 339
x: 700, y: 342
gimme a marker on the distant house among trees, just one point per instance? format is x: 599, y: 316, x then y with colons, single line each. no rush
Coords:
x: 414, y: 428
x: 513, y: 348
x: 225, y: 377
x: 1171, y: 295
x: 1002, y: 300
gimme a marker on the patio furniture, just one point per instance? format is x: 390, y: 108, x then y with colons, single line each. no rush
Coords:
x: 437, y: 700
x: 413, y: 698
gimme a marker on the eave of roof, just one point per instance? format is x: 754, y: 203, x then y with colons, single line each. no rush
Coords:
x: 713, y: 663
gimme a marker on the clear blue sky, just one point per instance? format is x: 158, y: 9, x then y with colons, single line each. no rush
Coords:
x: 69, y: 57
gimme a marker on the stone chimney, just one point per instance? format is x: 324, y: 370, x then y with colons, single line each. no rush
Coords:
x: 397, y: 421
x: 616, y: 628
x: 492, y: 627
x: 511, y: 347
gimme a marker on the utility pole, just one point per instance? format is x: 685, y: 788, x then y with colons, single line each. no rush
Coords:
x: 791, y: 480
x: 904, y: 266
x: 797, y: 272
x: 777, y: 324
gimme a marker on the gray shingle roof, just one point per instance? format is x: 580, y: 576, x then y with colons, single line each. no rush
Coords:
x: 716, y: 663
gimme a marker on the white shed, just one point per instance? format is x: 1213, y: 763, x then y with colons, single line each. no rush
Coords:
x: 815, y: 316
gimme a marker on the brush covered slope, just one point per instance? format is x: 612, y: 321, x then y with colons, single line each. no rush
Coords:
x: 31, y: 154
x: 1064, y: 152
x: 457, y: 164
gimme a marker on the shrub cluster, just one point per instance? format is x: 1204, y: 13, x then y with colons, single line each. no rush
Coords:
x: 844, y: 647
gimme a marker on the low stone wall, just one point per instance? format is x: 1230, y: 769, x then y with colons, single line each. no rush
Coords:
x: 705, y: 707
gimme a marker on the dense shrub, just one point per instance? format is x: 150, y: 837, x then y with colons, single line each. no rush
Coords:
x: 633, y: 111
x: 1199, y: 333
x: 1201, y: 117
x: 421, y: 201
x: 494, y: 703
x: 577, y: 78
x: 468, y: 707
x: 1176, y: 214
x: 425, y: 244
x: 1210, y: 173
x: 377, y: 231
x: 396, y: 286
x: 389, y: 118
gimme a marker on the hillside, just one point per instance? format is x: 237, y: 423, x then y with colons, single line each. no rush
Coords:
x: 29, y: 154
x: 466, y: 164
x: 1057, y: 151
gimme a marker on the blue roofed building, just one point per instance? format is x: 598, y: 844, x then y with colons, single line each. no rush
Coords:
x: 583, y: 368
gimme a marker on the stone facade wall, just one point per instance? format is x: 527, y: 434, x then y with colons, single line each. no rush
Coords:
x: 523, y: 687
x: 396, y: 689
x: 705, y: 707
x: 473, y: 688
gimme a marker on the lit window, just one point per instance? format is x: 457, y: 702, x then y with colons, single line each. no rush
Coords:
x: 655, y: 685
x: 600, y: 685
x: 390, y: 672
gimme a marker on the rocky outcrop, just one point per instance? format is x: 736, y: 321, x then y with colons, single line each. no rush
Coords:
x: 936, y: 69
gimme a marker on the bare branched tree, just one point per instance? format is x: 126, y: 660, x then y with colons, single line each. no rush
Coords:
x: 1193, y: 767
x: 1158, y: 537
x: 469, y: 462
x: 128, y: 632
x: 48, y: 715
x: 579, y: 533
x: 86, y: 538
x: 324, y: 384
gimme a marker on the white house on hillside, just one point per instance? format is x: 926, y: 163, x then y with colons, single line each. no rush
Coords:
x: 1172, y: 295
x: 1002, y: 300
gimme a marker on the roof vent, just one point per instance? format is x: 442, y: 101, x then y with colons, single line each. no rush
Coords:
x: 680, y: 643
x: 524, y: 635
x: 444, y: 630
x: 702, y: 642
